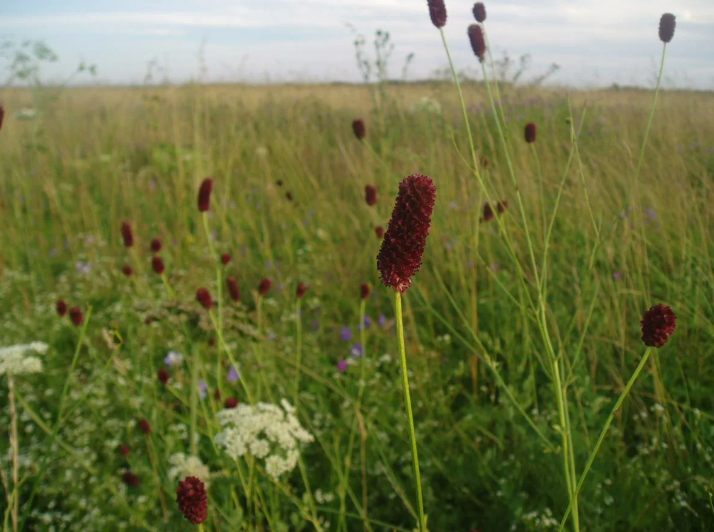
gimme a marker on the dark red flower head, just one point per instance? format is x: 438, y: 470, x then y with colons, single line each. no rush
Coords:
x: 127, y: 234
x: 61, y: 308
x: 203, y: 296
x: 301, y: 289
x: 2, y: 115
x: 192, y: 500
x: 126, y: 270
x: 400, y: 256
x: 217, y: 394
x: 144, y: 426
x: 264, y: 286
x: 484, y: 161
x: 156, y: 245
x: 437, y: 12
x: 359, y: 128
x: 75, y: 314
x: 124, y: 450
x: 479, y: 12
x: 501, y: 206
x: 530, y: 133
x: 487, y: 212
x: 231, y: 402
x: 233, y: 290
x: 370, y: 195
x: 666, y: 27
x: 130, y: 479
x: 225, y: 259
x: 163, y: 376
x: 478, y: 43
x: 157, y: 264
x: 379, y: 231
x: 364, y: 290
x: 658, y: 323
x: 204, y: 195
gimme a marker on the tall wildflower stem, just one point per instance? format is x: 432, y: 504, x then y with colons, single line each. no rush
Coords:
x: 222, y: 343
x: 58, y: 421
x: 217, y: 262
x: 410, y: 415
x: 14, y: 449
x: 605, y: 430
x: 362, y: 383
x: 298, y: 349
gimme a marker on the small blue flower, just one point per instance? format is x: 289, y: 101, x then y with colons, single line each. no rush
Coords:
x: 345, y: 334
x: 382, y: 320
x: 357, y: 351
x: 367, y: 322
x: 202, y: 387
x: 233, y: 375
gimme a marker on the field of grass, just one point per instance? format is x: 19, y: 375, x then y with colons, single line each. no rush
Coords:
x: 519, y: 339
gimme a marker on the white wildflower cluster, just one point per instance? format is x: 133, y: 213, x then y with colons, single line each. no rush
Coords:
x: 183, y: 466
x: 324, y: 498
x: 19, y: 359
x: 266, y: 432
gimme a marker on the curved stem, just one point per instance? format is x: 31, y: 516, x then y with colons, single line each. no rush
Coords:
x: 410, y: 415
x: 605, y: 429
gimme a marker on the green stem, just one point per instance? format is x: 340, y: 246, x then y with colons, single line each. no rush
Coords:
x: 55, y: 429
x: 410, y: 415
x: 298, y: 348
x: 605, y: 429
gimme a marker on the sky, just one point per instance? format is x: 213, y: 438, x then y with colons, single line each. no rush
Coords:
x: 595, y: 42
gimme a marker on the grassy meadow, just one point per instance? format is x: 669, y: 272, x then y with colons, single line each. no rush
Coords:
x: 521, y: 329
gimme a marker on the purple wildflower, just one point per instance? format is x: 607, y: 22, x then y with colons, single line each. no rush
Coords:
x: 202, y: 387
x: 382, y: 320
x: 345, y: 334
x: 357, y: 351
x: 342, y: 365
x: 233, y: 375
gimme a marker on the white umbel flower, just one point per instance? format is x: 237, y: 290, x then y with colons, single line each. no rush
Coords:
x: 183, y: 466
x: 265, y: 431
x: 19, y: 359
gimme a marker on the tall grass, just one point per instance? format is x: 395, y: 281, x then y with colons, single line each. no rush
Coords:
x: 521, y: 332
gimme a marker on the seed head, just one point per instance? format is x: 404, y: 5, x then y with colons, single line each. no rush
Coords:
x: 155, y: 245
x: 487, y: 212
x: 204, y: 195
x: 301, y: 289
x: 530, y: 133
x: 192, y: 500
x: 370, y: 195
x: 225, y: 259
x: 365, y: 290
x: 478, y: 44
x: 124, y: 450
x: 231, y: 402
x: 157, y: 264
x: 203, y: 296
x: 479, y: 12
x: 126, y: 270
x: 163, y: 376
x: 437, y: 12
x: 264, y: 286
x: 666, y: 27
x: 61, y: 306
x: 379, y: 231
x: 359, y: 128
x: 658, y: 323
x: 127, y: 234
x: 76, y: 316
x: 401, y: 253
x: 233, y: 290
x: 501, y: 206
x: 130, y: 479
x: 144, y: 426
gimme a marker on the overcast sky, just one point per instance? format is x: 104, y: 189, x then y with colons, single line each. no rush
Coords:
x: 595, y: 42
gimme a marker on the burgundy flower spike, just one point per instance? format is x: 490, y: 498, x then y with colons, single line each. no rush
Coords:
x: 301, y: 289
x: 530, y: 133
x: 264, y: 286
x: 666, y: 27
x: 204, y: 195
x: 401, y: 253
x: 364, y: 290
x: 2, y: 115
x: 233, y: 289
x: 479, y: 12
x: 658, y: 323
x: 75, y: 314
x: 127, y: 234
x: 478, y: 43
x: 359, y: 128
x: 203, y: 296
x: 437, y: 12
x: 192, y: 500
x: 157, y: 264
x: 370, y: 195
x: 156, y: 245
x: 61, y: 308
